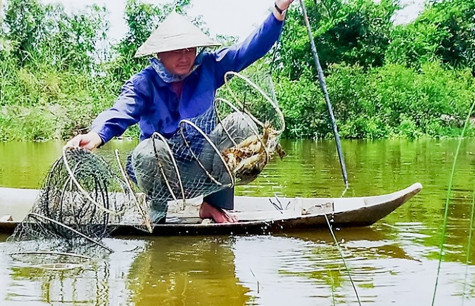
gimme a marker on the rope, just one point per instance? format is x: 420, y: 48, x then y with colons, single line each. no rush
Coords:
x: 342, y: 258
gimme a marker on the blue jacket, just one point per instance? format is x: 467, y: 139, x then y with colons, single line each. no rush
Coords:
x: 147, y: 99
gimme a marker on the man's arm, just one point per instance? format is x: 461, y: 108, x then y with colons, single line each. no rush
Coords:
x: 256, y: 45
x: 114, y: 121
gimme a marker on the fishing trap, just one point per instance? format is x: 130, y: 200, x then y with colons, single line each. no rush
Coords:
x: 84, y: 197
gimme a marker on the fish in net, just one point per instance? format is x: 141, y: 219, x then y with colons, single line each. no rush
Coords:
x: 247, y: 157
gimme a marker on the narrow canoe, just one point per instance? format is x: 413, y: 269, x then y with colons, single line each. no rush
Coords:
x: 256, y: 215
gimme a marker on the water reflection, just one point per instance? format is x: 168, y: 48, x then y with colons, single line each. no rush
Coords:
x: 302, y: 268
x: 186, y: 270
x: 98, y: 281
x: 308, y: 270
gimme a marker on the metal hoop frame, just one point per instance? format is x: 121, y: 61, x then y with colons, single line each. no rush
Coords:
x: 169, y: 151
x: 231, y: 176
x: 84, y: 192
x: 36, y: 216
x: 136, y: 201
x: 231, y: 74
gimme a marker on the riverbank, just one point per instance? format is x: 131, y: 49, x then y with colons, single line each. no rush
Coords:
x: 392, y: 101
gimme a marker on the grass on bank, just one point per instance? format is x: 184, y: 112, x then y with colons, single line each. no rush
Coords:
x: 38, y: 103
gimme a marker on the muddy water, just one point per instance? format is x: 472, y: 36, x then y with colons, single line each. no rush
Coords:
x: 393, y: 262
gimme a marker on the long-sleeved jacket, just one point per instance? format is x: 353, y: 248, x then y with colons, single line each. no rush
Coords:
x: 147, y: 99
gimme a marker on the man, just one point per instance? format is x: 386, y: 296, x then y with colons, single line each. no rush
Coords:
x: 181, y: 85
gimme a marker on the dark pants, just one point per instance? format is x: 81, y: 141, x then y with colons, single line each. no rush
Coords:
x: 150, y: 178
x: 223, y: 199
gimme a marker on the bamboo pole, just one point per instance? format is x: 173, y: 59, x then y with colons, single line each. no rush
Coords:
x: 321, y: 79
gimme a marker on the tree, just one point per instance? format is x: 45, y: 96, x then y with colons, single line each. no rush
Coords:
x: 445, y: 31
x: 353, y: 32
x: 24, y: 21
x: 46, y: 34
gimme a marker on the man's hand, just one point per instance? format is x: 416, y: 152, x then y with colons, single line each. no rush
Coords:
x: 282, y: 5
x: 87, y: 141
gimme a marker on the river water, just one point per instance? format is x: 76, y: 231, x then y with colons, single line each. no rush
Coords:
x: 393, y: 262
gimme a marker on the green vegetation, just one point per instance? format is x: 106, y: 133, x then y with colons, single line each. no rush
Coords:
x: 58, y: 70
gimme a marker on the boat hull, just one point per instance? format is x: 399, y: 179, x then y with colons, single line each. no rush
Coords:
x: 256, y: 214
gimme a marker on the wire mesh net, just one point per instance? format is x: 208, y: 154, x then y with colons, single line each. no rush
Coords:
x: 247, y: 157
x: 82, y: 200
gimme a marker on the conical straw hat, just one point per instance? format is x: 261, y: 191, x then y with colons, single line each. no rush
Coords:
x: 175, y: 33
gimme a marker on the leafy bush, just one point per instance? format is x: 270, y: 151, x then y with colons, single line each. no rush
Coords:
x: 445, y: 31
x: 396, y: 100
x: 387, y: 101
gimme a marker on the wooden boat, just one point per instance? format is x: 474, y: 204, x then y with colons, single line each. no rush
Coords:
x: 256, y: 215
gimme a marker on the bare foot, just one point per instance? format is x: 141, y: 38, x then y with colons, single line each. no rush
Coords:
x: 217, y: 214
